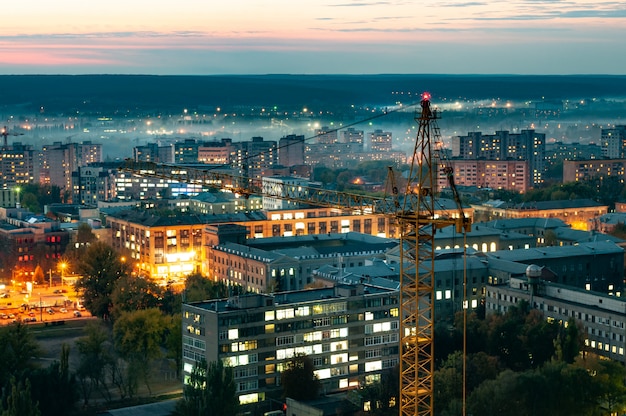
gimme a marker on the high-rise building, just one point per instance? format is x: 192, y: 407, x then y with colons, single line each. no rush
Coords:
x: 291, y: 150
x: 18, y: 166
x: 380, y: 141
x: 216, y: 153
x: 254, y: 157
x: 186, y: 151
x: 153, y: 152
x: 613, y: 142
x: 326, y: 135
x: 512, y: 175
x: 92, y: 184
x: 527, y: 145
x: 59, y: 160
x: 354, y: 137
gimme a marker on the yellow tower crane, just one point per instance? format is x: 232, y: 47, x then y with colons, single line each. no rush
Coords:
x: 414, y: 210
x: 418, y: 225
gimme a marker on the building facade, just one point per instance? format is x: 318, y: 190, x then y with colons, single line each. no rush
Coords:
x: 526, y: 145
x: 584, y: 170
x: 512, y: 175
x: 350, y: 332
x: 602, y: 316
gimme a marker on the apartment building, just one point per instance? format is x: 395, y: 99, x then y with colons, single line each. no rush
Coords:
x: 28, y: 241
x: 18, y: 166
x: 274, y: 264
x: 602, y: 315
x: 597, y: 266
x: 526, y: 145
x: 350, y: 332
x: 584, y: 170
x: 577, y: 213
x: 512, y: 175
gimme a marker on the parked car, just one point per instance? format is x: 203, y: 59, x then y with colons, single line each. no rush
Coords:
x: 63, y: 310
x: 77, y: 314
x: 50, y: 311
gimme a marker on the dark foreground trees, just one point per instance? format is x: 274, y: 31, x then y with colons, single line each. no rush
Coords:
x: 298, y: 379
x: 210, y: 391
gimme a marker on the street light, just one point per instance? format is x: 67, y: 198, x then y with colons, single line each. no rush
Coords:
x: 62, y: 265
x: 17, y: 191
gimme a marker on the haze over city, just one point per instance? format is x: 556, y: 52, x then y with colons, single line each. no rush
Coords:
x: 314, y: 37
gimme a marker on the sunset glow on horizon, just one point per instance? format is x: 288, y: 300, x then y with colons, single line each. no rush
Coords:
x: 280, y: 36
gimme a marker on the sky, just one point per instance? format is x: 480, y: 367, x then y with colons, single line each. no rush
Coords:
x: 210, y: 37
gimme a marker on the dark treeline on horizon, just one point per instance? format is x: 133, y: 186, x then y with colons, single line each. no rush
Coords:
x: 70, y: 93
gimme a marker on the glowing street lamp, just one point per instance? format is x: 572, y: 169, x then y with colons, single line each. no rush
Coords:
x: 62, y: 265
x: 17, y: 193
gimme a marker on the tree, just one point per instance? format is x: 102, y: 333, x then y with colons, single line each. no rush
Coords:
x: 133, y: 294
x: 85, y: 235
x: 173, y: 340
x: 101, y: 268
x: 299, y: 380
x: 18, y: 348
x: 198, y: 287
x: 17, y: 400
x: 383, y: 395
x: 30, y: 202
x: 550, y: 238
x: 55, y: 387
x: 38, y: 275
x: 138, y: 337
x: 210, y: 390
x: 94, y: 359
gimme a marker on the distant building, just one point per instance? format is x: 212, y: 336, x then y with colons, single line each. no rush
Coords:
x: 60, y: 160
x: 92, y: 184
x: 291, y: 150
x: 255, y: 157
x: 584, y: 170
x: 380, y: 141
x: 354, y: 137
x: 9, y: 198
x: 560, y: 151
x: 512, y: 175
x: 18, y: 166
x: 216, y: 202
x: 613, y: 142
x: 524, y: 146
x: 326, y: 135
x: 154, y: 152
x: 216, y: 153
x: 186, y: 151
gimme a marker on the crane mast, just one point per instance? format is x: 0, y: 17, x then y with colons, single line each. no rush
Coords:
x: 418, y: 224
